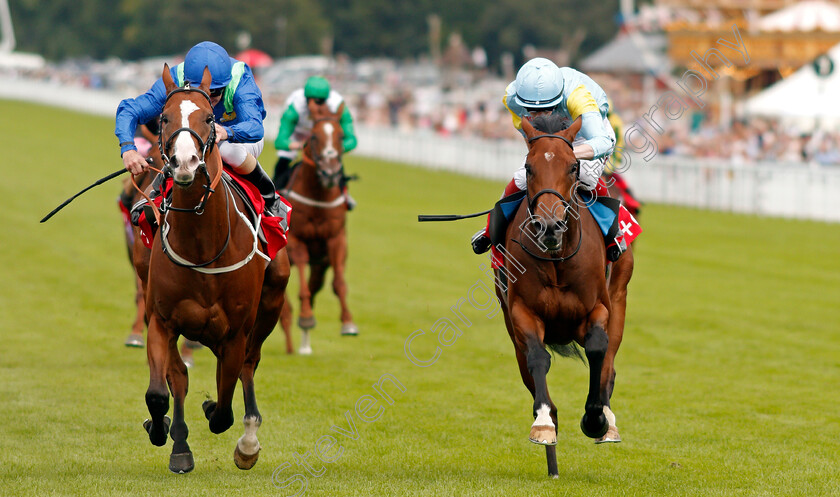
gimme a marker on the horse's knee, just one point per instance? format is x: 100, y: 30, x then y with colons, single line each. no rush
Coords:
x: 595, y: 343
x: 537, y: 358
x: 157, y: 402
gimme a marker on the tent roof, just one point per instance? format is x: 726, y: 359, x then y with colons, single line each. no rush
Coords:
x: 803, y: 94
x: 803, y: 16
x: 622, y: 54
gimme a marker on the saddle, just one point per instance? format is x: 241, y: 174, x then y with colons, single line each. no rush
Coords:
x: 273, y: 229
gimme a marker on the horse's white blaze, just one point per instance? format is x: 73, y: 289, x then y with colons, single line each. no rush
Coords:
x: 610, y: 416
x: 543, y: 416
x: 329, y: 151
x: 549, y: 156
x: 184, y: 145
x: 248, y: 443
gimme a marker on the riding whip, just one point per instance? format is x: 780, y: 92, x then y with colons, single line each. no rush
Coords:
x: 98, y: 182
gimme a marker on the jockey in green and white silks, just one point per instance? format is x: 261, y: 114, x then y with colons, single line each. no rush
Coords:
x: 296, y: 125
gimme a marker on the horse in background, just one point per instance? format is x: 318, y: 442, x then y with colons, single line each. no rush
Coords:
x: 207, y: 281
x: 317, y: 234
x: 554, y: 289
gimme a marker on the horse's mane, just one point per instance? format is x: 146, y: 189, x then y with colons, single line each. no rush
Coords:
x: 551, y: 123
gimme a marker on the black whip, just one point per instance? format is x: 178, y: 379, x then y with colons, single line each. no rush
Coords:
x: 98, y: 182
x: 450, y: 217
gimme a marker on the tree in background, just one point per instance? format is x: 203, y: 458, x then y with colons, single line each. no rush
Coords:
x: 135, y: 29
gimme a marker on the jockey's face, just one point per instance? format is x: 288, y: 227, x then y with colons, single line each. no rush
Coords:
x: 216, y: 95
x: 318, y: 101
x: 533, y: 112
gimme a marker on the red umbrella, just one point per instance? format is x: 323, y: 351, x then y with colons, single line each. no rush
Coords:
x: 254, y: 58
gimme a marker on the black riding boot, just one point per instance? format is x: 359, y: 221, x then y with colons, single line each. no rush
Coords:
x: 259, y: 178
x: 281, y: 172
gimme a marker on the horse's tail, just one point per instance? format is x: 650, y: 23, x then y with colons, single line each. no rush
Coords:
x: 571, y: 349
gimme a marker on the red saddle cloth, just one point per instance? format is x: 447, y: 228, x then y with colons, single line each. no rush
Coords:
x: 273, y: 228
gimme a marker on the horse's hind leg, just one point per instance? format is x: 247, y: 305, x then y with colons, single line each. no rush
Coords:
x: 621, y: 273
x: 594, y: 423
x: 157, y: 395
x: 337, y: 250
x: 228, y: 368
x: 181, y: 459
x: 272, y: 301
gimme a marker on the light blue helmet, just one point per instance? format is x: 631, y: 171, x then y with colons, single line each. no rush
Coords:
x: 539, y: 84
x: 210, y: 55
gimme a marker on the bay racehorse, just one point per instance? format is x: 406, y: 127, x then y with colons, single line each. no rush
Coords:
x: 138, y: 254
x: 206, y: 281
x: 317, y: 234
x: 556, y: 289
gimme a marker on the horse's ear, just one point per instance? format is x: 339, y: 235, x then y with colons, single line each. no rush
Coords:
x: 529, y: 130
x: 168, y: 83
x: 340, y: 111
x: 573, y: 130
x: 206, y: 78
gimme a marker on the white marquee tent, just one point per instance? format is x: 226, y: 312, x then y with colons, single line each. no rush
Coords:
x: 803, y: 98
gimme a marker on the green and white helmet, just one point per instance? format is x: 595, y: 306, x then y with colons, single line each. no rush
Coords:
x: 316, y: 87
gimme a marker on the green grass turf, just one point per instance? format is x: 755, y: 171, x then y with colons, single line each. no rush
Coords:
x: 727, y: 377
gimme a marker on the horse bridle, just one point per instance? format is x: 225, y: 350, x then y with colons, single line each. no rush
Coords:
x: 205, y: 146
x: 548, y: 191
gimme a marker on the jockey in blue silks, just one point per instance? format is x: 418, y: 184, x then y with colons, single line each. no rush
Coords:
x: 237, y: 107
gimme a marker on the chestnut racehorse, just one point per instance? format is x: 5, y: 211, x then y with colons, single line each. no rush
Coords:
x: 554, y: 288
x: 138, y: 254
x: 317, y: 234
x: 207, y: 281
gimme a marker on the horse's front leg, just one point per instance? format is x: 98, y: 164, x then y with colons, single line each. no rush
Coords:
x: 594, y: 423
x: 299, y: 253
x: 181, y: 459
x: 534, y: 363
x: 157, y: 395
x: 231, y: 356
x: 337, y: 252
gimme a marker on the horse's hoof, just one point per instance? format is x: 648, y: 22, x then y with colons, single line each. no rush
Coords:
x: 594, y: 426
x: 181, y: 463
x: 134, y: 340
x: 189, y: 362
x: 245, y: 461
x: 306, y: 323
x: 208, y: 406
x: 158, y: 440
x: 543, y: 435
x: 611, y: 436
x: 349, y: 330
x: 305, y: 350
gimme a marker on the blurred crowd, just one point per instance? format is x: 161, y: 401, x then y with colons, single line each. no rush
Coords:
x: 432, y: 98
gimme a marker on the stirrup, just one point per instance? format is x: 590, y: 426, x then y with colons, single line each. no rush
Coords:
x: 349, y: 201
x: 480, y: 242
x: 615, y: 249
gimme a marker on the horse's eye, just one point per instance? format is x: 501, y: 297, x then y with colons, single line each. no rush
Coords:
x: 528, y: 169
x: 164, y: 120
x: 209, y: 120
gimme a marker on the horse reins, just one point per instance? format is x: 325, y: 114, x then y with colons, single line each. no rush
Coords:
x: 532, y: 201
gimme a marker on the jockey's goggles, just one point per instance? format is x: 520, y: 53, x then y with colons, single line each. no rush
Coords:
x: 216, y: 92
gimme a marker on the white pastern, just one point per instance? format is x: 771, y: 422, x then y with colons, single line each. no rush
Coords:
x: 185, y: 149
x: 248, y: 443
x: 543, y: 417
x: 610, y: 416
